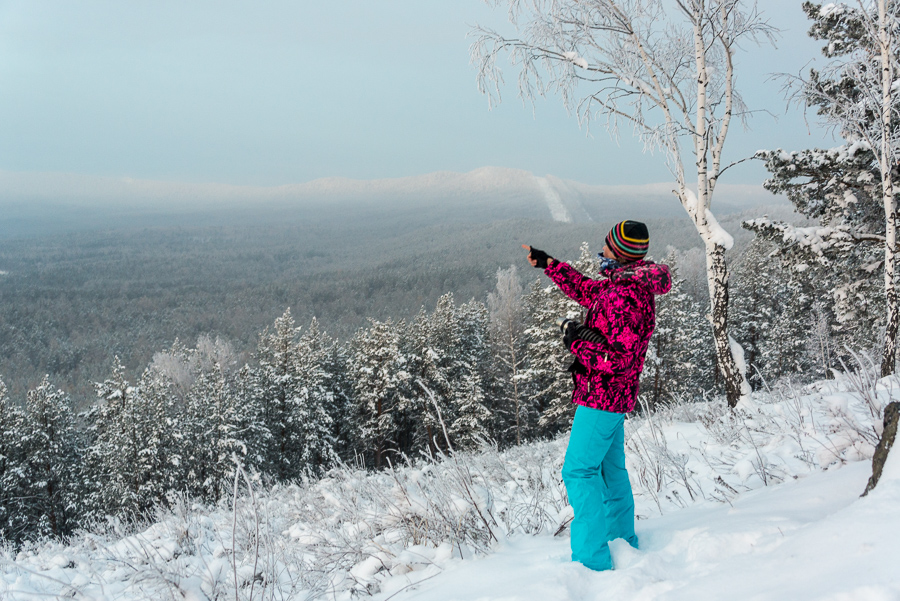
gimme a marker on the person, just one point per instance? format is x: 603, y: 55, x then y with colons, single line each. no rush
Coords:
x: 609, y: 350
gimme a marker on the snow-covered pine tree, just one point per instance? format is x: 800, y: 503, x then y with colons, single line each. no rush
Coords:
x: 856, y: 94
x: 125, y: 466
x: 290, y: 388
x: 428, y: 346
x: 838, y: 256
x: 211, y: 435
x: 312, y: 406
x: 12, y: 458
x: 772, y: 315
x: 472, y: 420
x: 338, y: 393
x: 252, y: 432
x: 377, y: 369
x: 513, y: 408
x: 50, y: 472
x: 448, y: 362
x: 176, y: 382
x: 274, y: 389
x: 680, y: 348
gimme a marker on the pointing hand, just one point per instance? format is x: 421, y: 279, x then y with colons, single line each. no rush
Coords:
x: 538, y: 258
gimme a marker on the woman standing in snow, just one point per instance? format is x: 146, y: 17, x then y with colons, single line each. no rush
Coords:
x: 609, y: 356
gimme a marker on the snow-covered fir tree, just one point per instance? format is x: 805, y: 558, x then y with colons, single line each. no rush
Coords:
x: 851, y: 189
x: 290, y: 390
x: 52, y: 461
x: 273, y: 389
x: 839, y: 255
x: 212, y: 435
x: 430, y: 347
x: 125, y: 464
x: 338, y: 395
x: 378, y: 370
x: 680, y: 350
x: 312, y: 407
x: 12, y: 458
x: 189, y: 385
x: 448, y: 363
x: 471, y: 424
x: 774, y: 316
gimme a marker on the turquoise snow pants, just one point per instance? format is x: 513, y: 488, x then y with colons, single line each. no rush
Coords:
x: 598, y: 487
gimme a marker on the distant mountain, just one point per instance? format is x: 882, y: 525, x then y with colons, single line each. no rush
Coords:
x: 44, y: 202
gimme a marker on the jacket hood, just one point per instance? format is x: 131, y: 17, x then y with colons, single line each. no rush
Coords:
x: 654, y: 277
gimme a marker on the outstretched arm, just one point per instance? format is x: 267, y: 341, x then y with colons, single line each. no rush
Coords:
x: 576, y: 286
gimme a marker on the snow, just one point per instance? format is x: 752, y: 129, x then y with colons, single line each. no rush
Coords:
x: 737, y: 351
x: 717, y: 233
x: 806, y: 539
x: 575, y: 59
x: 714, y: 232
x: 762, y: 502
x: 815, y: 239
x: 829, y: 9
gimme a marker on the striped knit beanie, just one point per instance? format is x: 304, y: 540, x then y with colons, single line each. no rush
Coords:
x: 628, y: 240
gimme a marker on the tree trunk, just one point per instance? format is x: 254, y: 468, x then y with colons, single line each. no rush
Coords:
x: 888, y: 437
x: 889, y: 356
x: 379, y: 440
x: 717, y: 278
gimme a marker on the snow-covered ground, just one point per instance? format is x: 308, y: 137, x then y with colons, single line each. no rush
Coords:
x: 806, y: 539
x: 763, y: 503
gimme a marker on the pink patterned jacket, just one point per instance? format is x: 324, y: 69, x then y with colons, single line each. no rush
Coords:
x: 622, y: 307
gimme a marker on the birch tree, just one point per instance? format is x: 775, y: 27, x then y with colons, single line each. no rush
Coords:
x: 507, y: 329
x: 666, y: 69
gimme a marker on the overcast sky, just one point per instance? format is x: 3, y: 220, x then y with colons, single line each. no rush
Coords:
x: 287, y: 91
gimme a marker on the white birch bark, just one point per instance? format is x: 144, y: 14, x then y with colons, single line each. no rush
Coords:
x: 886, y: 163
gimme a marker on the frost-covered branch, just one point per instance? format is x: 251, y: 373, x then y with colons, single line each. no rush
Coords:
x: 819, y: 241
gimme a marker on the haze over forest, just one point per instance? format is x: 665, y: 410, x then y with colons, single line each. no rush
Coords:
x: 93, y: 268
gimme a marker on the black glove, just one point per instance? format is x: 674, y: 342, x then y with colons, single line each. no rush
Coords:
x: 572, y: 331
x: 577, y: 368
x: 540, y: 256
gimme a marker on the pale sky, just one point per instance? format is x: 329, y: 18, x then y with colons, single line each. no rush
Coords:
x: 288, y: 91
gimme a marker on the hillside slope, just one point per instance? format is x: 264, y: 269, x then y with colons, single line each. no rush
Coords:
x: 762, y: 503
